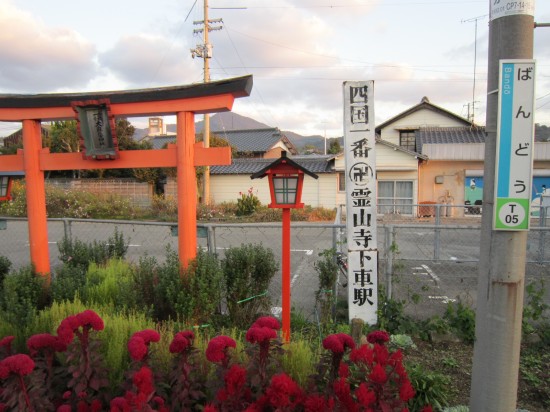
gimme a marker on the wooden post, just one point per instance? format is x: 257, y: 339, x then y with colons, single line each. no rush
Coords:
x: 36, y: 198
x: 187, y: 188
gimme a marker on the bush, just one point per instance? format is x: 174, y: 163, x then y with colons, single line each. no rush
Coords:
x: 432, y: 388
x: 22, y: 295
x: 74, y: 252
x: 68, y: 281
x: 110, y: 284
x: 247, y: 272
x: 192, y: 294
x: 5, y: 266
x: 462, y: 321
x: 247, y: 203
x: 327, y: 269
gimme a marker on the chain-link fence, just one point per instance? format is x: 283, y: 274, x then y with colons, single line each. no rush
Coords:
x: 429, y: 261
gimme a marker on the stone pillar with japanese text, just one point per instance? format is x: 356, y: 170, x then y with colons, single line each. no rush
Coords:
x: 359, y: 148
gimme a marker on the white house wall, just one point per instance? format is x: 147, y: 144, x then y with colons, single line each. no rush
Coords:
x: 420, y: 118
x: 316, y: 192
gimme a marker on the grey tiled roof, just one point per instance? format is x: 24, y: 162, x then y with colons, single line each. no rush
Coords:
x: 400, y: 149
x: 444, y: 135
x: 315, y: 164
x: 250, y: 140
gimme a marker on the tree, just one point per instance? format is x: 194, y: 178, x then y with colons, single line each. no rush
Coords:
x: 334, y: 147
x: 64, y: 137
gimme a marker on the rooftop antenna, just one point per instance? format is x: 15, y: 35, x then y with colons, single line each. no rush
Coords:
x: 474, y: 19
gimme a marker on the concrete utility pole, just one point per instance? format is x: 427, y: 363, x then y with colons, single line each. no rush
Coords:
x: 205, y: 52
x: 503, y: 253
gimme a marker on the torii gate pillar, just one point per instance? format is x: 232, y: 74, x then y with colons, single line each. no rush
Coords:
x: 182, y: 101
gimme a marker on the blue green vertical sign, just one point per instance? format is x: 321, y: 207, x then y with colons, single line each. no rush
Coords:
x: 515, y: 140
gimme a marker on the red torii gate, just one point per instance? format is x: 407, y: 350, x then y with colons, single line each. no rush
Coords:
x: 182, y: 101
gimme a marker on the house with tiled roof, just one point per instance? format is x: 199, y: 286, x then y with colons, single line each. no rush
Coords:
x: 456, y: 166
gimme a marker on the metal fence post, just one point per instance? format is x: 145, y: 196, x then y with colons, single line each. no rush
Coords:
x: 542, y: 233
x: 389, y: 247
x: 210, y: 241
x: 437, y: 232
x: 67, y: 228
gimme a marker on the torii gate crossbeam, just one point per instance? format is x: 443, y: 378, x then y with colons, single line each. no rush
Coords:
x: 182, y: 101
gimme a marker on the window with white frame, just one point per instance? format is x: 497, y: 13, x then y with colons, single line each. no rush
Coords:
x: 395, y: 196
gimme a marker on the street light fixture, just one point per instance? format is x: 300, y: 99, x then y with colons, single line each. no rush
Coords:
x: 286, y: 179
x: 6, y: 181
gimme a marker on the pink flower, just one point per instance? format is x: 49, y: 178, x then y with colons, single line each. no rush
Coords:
x: 45, y: 341
x: 179, y: 343
x: 260, y: 334
x: 378, y: 375
x: 217, y: 348
x: 19, y: 364
x: 267, y: 322
x: 90, y: 319
x: 378, y: 336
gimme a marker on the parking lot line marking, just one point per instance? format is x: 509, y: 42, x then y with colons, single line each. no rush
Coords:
x: 432, y: 274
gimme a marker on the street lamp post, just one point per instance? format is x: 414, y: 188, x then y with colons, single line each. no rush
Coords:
x: 286, y: 179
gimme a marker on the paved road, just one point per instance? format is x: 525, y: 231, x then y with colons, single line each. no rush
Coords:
x: 451, y: 276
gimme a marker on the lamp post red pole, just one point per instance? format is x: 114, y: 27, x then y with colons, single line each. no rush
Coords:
x: 286, y: 275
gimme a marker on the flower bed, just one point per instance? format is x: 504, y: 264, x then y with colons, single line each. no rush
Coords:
x: 65, y: 372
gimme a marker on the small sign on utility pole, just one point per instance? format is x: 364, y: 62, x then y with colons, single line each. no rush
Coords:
x: 359, y: 148
x: 515, y: 140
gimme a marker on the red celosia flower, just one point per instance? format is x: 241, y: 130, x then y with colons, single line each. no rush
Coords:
x: 6, y: 342
x: 364, y: 395
x: 4, y: 371
x: 179, y: 343
x: 217, y: 348
x: 318, y: 403
x: 66, y: 329
x: 338, y: 342
x: 120, y: 404
x: 343, y: 393
x: 210, y: 408
x: 90, y: 319
x: 427, y: 408
x: 260, y: 334
x: 137, y: 348
x: 235, y: 379
x: 148, y: 335
x: 381, y: 354
x: 406, y: 391
x: 188, y: 334
x: 96, y: 405
x: 65, y: 408
x: 364, y: 354
x: 143, y: 380
x: 378, y: 375
x: 138, y: 345
x: 378, y: 336
x: 45, y: 341
x: 332, y: 343
x: 19, y: 364
x: 346, y: 340
x: 343, y: 370
x: 267, y: 322
x: 283, y: 391
x: 66, y: 394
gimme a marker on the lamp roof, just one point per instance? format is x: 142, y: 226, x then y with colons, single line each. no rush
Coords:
x: 282, y: 161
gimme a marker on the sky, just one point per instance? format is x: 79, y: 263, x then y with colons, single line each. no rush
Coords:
x: 299, y: 52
